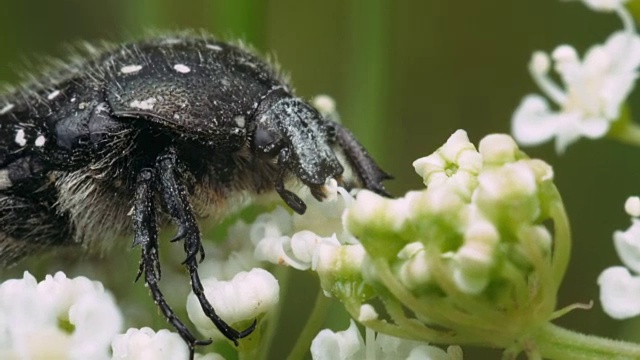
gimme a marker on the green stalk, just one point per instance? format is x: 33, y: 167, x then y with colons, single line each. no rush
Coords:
x: 554, y: 342
x: 283, y: 274
x: 315, y: 321
x: 367, y: 73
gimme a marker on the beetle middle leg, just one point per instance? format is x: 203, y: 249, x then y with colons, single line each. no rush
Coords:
x: 146, y: 235
x: 178, y: 206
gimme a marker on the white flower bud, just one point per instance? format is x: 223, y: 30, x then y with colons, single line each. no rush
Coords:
x: 540, y: 63
x: 632, y: 206
x: 474, y: 260
x: 367, y: 313
x: 498, y: 149
x: 508, y: 193
x: 146, y: 344
x: 457, y: 144
x: 324, y: 103
x: 245, y: 297
x: 414, y: 271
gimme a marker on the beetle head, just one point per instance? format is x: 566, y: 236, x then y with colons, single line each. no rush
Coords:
x: 301, y: 139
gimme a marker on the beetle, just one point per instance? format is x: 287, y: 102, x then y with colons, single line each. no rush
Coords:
x: 129, y: 138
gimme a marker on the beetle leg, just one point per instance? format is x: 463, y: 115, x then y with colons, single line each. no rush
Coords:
x: 146, y: 235
x: 289, y: 198
x: 366, y: 168
x: 178, y: 207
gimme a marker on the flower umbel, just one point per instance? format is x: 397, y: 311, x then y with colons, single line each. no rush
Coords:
x: 594, y: 88
x: 469, y: 256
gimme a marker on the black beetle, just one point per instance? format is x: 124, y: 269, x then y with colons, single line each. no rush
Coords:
x: 167, y: 129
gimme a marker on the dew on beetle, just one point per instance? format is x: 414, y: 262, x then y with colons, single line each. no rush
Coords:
x: 40, y: 140
x: 20, y: 138
x: 53, y: 95
x: 6, y: 109
x: 181, y: 68
x: 144, y: 104
x: 5, y: 182
x: 239, y: 120
x: 130, y: 69
x: 214, y: 47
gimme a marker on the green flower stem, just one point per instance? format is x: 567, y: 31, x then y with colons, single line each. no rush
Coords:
x: 625, y: 129
x: 562, y: 238
x: 405, y: 328
x: 283, y: 274
x: 315, y: 321
x: 554, y: 342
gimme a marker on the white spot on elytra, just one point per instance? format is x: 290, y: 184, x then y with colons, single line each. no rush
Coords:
x: 20, y: 139
x: 214, y: 47
x: 239, y: 120
x: 129, y: 69
x: 176, y: 116
x: 73, y: 99
x: 181, y: 68
x: 6, y: 109
x: 40, y: 140
x: 144, y: 104
x: 5, y: 182
x: 53, y: 95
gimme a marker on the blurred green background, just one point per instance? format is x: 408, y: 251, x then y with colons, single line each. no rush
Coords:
x: 405, y: 75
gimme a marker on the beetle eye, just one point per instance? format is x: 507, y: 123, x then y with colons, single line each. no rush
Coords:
x: 266, y: 142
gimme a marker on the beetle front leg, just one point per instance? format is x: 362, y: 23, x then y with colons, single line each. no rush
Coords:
x: 370, y: 174
x: 146, y: 236
x: 178, y: 206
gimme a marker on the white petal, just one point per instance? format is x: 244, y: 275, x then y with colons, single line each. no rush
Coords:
x: 456, y: 144
x: 533, y: 123
x: 619, y: 293
x: 594, y: 128
x: 245, y: 297
x: 604, y: 5
x: 146, y: 344
x: 498, y: 149
x: 627, y: 244
x: 347, y: 344
x: 426, y: 352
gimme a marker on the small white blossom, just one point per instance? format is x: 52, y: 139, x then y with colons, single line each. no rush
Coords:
x: 627, y: 244
x: 619, y: 288
x: 245, y: 297
x: 58, y: 318
x: 146, y: 344
x: 349, y: 345
x: 594, y: 88
x: 297, y: 240
x: 619, y: 292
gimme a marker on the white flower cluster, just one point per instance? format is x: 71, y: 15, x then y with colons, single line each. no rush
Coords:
x: 58, y: 318
x: 470, y: 195
x: 619, y: 288
x: 594, y: 88
x: 349, y: 345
